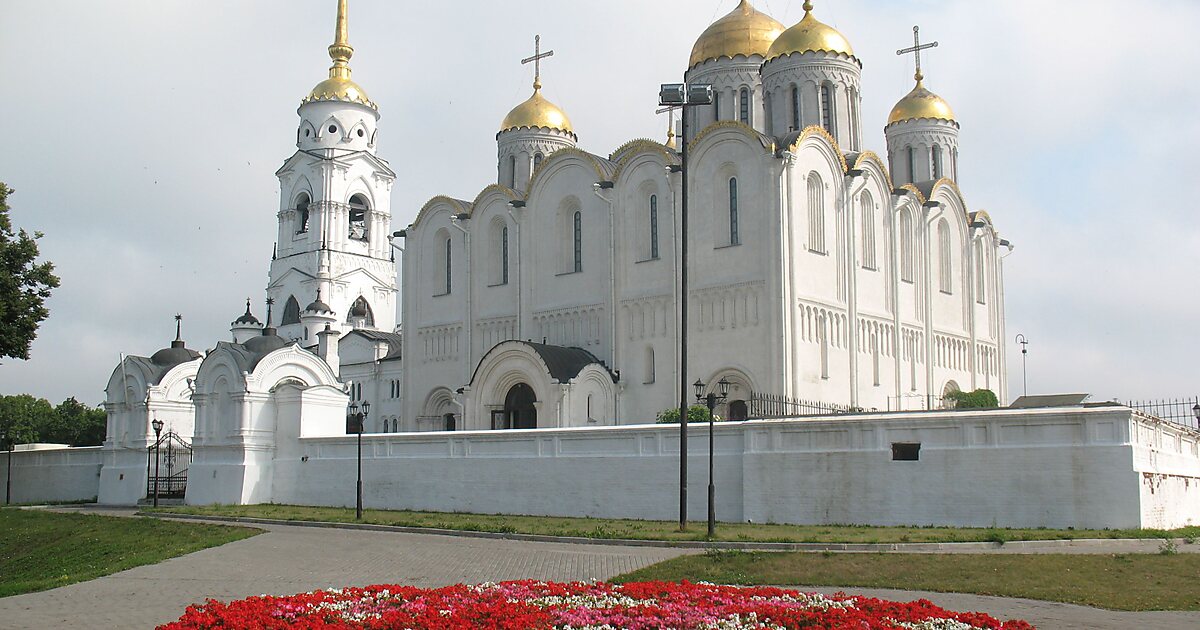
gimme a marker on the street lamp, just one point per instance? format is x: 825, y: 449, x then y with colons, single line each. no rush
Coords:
x: 1024, y: 355
x: 712, y: 400
x: 158, y: 426
x: 357, y: 422
x: 682, y: 96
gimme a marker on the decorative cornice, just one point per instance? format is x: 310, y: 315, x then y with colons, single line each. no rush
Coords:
x: 871, y: 156
x: 459, y: 204
x: 603, y: 168
x: 819, y: 132
x: 766, y: 142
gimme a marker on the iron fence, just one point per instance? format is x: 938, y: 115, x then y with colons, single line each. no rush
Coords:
x: 1181, y: 411
x: 763, y: 406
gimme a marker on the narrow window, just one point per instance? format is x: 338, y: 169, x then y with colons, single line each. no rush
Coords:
x: 537, y: 159
x: 946, y: 273
x: 816, y: 214
x: 512, y: 171
x: 734, y: 237
x: 937, y: 162
x: 768, y: 111
x: 744, y: 106
x: 906, y: 246
x: 795, y: 108
x: 980, y: 277
x: 504, y: 255
x: 358, y: 217
x: 823, y: 333
x: 716, y: 106
x: 302, y: 213
x: 868, y: 232
x: 291, y: 311
x: 827, y: 107
x: 578, y: 241
x: 649, y: 365
x: 654, y: 227
x: 449, y: 267
x: 912, y: 164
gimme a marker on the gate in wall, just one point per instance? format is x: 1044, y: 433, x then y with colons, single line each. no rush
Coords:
x: 167, y: 462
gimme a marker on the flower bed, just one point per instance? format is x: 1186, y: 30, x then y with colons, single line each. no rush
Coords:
x: 579, y: 606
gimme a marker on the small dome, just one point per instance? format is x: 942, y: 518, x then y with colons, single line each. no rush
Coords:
x: 339, y: 89
x: 247, y: 319
x: 176, y: 354
x: 318, y: 307
x: 537, y: 113
x: 921, y: 104
x: 265, y: 344
x: 359, y: 309
x: 745, y: 31
x: 810, y: 35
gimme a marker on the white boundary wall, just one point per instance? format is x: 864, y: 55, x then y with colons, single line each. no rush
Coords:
x: 1078, y: 467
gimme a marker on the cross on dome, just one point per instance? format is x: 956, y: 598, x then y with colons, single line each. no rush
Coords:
x: 916, y: 49
x: 536, y: 60
x: 670, y: 112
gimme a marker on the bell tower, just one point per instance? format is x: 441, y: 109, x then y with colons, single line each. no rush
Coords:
x: 335, y: 209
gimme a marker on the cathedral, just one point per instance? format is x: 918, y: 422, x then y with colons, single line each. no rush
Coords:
x: 822, y: 273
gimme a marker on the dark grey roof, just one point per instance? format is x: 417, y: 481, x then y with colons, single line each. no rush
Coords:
x: 318, y: 307
x: 247, y: 318
x: 563, y: 363
x: 393, y: 340
x: 168, y: 358
x: 926, y: 188
x: 1052, y: 400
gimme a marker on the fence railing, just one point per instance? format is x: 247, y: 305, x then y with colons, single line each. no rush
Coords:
x: 763, y: 406
x: 1181, y: 411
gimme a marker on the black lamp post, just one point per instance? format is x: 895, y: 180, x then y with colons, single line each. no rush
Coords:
x: 1195, y: 411
x: 712, y: 400
x: 357, y: 422
x: 158, y: 426
x: 683, y: 96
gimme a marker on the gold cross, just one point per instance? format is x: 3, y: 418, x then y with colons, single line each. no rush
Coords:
x: 916, y: 49
x: 536, y: 60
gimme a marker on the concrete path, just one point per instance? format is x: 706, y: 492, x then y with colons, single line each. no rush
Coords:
x: 289, y: 559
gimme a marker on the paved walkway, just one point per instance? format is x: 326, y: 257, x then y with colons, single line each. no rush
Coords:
x: 289, y: 559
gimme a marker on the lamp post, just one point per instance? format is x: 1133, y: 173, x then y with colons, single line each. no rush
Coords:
x: 158, y: 426
x: 1195, y: 411
x: 357, y: 422
x: 1024, y: 355
x: 683, y: 96
x: 712, y: 400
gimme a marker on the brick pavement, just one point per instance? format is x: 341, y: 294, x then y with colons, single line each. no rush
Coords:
x: 289, y: 559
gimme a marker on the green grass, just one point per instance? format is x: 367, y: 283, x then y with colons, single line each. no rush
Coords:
x: 1115, y: 582
x: 42, y: 550
x: 666, y: 530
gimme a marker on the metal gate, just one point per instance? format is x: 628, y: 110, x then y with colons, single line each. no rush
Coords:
x: 167, y: 462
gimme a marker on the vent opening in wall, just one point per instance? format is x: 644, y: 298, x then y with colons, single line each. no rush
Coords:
x: 906, y: 452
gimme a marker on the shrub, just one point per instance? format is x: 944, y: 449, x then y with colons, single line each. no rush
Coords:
x: 696, y: 414
x: 978, y: 399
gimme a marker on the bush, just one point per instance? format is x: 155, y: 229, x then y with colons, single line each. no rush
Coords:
x: 696, y: 414
x: 978, y: 399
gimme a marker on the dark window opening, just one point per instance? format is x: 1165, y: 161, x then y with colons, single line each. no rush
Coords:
x: 361, y: 133
x: 302, y: 214
x: 578, y: 242
x: 358, y: 217
x: 332, y: 129
x: 291, y: 311
x: 654, y: 227
x: 903, y: 452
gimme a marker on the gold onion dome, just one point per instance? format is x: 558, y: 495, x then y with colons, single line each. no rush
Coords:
x: 810, y: 35
x: 339, y: 86
x: 537, y: 113
x: 921, y: 104
x: 745, y: 31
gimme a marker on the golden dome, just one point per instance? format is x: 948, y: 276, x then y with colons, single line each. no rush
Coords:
x: 339, y: 86
x: 536, y: 113
x: 810, y: 35
x: 745, y: 31
x: 921, y: 104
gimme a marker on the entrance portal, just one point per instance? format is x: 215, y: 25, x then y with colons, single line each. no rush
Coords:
x: 519, y: 410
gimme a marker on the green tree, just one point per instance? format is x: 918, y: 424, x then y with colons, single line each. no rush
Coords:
x: 25, y: 285
x: 24, y: 418
x: 696, y: 413
x: 77, y: 424
x: 978, y: 399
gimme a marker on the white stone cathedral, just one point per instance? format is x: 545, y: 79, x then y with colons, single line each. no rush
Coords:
x: 820, y: 271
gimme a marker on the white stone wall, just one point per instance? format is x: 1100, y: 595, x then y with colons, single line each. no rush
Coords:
x: 58, y: 474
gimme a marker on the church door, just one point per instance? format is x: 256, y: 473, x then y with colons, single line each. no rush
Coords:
x: 738, y: 411
x: 519, y: 408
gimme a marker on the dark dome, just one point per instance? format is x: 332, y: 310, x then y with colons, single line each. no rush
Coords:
x: 359, y: 309
x: 318, y: 307
x: 265, y: 344
x: 247, y: 318
x: 176, y: 354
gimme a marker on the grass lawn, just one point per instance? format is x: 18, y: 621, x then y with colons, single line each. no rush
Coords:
x: 41, y: 550
x: 1114, y: 582
x: 665, y: 530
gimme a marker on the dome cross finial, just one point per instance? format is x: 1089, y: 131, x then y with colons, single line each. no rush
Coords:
x: 341, y: 51
x: 916, y: 49
x: 808, y: 6
x: 536, y: 60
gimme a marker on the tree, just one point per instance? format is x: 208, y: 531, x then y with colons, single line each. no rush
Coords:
x: 77, y: 424
x: 25, y: 285
x: 24, y: 418
x: 978, y: 399
x: 696, y: 414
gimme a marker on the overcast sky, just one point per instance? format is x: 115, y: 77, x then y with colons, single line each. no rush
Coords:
x: 143, y: 136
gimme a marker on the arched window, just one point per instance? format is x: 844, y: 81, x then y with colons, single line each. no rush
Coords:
x: 854, y: 126
x: 980, y: 277
x: 937, y: 161
x: 734, y: 237
x: 795, y: 108
x: 449, y: 267
x: 504, y: 255
x: 291, y: 311
x: 512, y: 171
x: 578, y: 231
x: 768, y: 111
x: 945, y: 258
x: 654, y: 227
x: 912, y: 164
x: 302, y: 213
x: 649, y: 365
x: 358, y: 217
x: 361, y: 309
x: 906, y: 246
x: 868, y: 232
x: 716, y: 105
x: 827, y: 108
x: 744, y: 106
x: 823, y: 339
x: 499, y: 252
x: 537, y: 159
x: 442, y: 268
x: 816, y: 214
